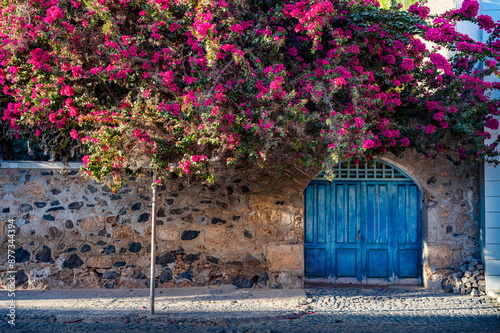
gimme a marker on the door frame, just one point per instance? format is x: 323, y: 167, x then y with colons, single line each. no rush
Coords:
x: 361, y: 275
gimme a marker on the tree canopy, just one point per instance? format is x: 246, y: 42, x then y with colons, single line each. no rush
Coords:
x: 195, y: 86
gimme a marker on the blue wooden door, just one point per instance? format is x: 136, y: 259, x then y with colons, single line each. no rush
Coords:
x: 362, y: 231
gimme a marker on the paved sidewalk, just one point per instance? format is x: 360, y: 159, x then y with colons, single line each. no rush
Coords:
x: 226, y: 309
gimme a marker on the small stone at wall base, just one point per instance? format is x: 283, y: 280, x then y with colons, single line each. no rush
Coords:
x: 242, y: 282
x: 73, y: 261
x: 263, y: 279
x: 187, y: 274
x: 138, y: 275
x: 110, y: 275
x: 166, y: 275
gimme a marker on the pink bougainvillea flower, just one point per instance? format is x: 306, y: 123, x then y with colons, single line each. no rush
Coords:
x: 67, y: 91
x: 367, y: 144
x: 53, y: 118
x: 430, y: 129
x: 407, y: 64
x: 492, y: 123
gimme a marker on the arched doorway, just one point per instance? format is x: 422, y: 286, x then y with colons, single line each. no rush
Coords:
x: 363, y: 227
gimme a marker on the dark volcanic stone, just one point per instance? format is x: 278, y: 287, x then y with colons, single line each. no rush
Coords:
x: 55, y: 191
x: 110, y: 284
x: 234, y: 263
x: 71, y: 249
x: 216, y: 220
x: 55, y: 232
x: 6, y: 210
x: 242, y: 282
x: 21, y: 255
x: 119, y: 264
x: 76, y: 205
x: 187, y: 274
x: 144, y: 217
x: 115, y: 197
x: 247, y: 234
x: 110, y: 249
x: 245, y: 189
x: 69, y: 224
x: 91, y: 189
x: 213, y: 259
x: 122, y: 211
x: 166, y: 275
x: 101, y: 243
x: 169, y: 201
x: 263, y: 278
x: 26, y: 208
x: 73, y: 261
x: 85, y: 248
x: 110, y: 275
x: 161, y: 213
x: 189, y: 234
x: 139, y: 275
x: 190, y: 258
x: 49, y: 217
x: 21, y: 278
x: 166, y: 258
x: 55, y: 203
x: 47, y: 173
x: 54, y: 209
x: 136, y: 206
x: 176, y: 211
x: 134, y: 247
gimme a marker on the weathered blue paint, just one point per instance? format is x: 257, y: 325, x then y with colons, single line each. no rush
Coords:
x: 362, y: 230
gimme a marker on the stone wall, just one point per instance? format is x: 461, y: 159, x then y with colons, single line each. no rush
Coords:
x: 450, y: 213
x: 72, y: 232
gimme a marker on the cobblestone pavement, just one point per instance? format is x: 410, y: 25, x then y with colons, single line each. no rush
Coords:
x: 321, y: 310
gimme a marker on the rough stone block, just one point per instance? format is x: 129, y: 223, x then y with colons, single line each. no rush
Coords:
x: 285, y: 257
x: 98, y: 262
x: 267, y: 232
x: 88, y: 223
x: 272, y: 216
x: 165, y: 234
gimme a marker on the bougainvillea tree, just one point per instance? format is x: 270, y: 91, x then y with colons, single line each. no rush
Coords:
x: 194, y: 86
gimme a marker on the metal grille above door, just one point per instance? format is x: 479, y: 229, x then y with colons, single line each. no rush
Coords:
x: 374, y: 171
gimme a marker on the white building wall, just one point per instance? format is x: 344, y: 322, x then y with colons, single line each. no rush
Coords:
x: 490, y: 231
